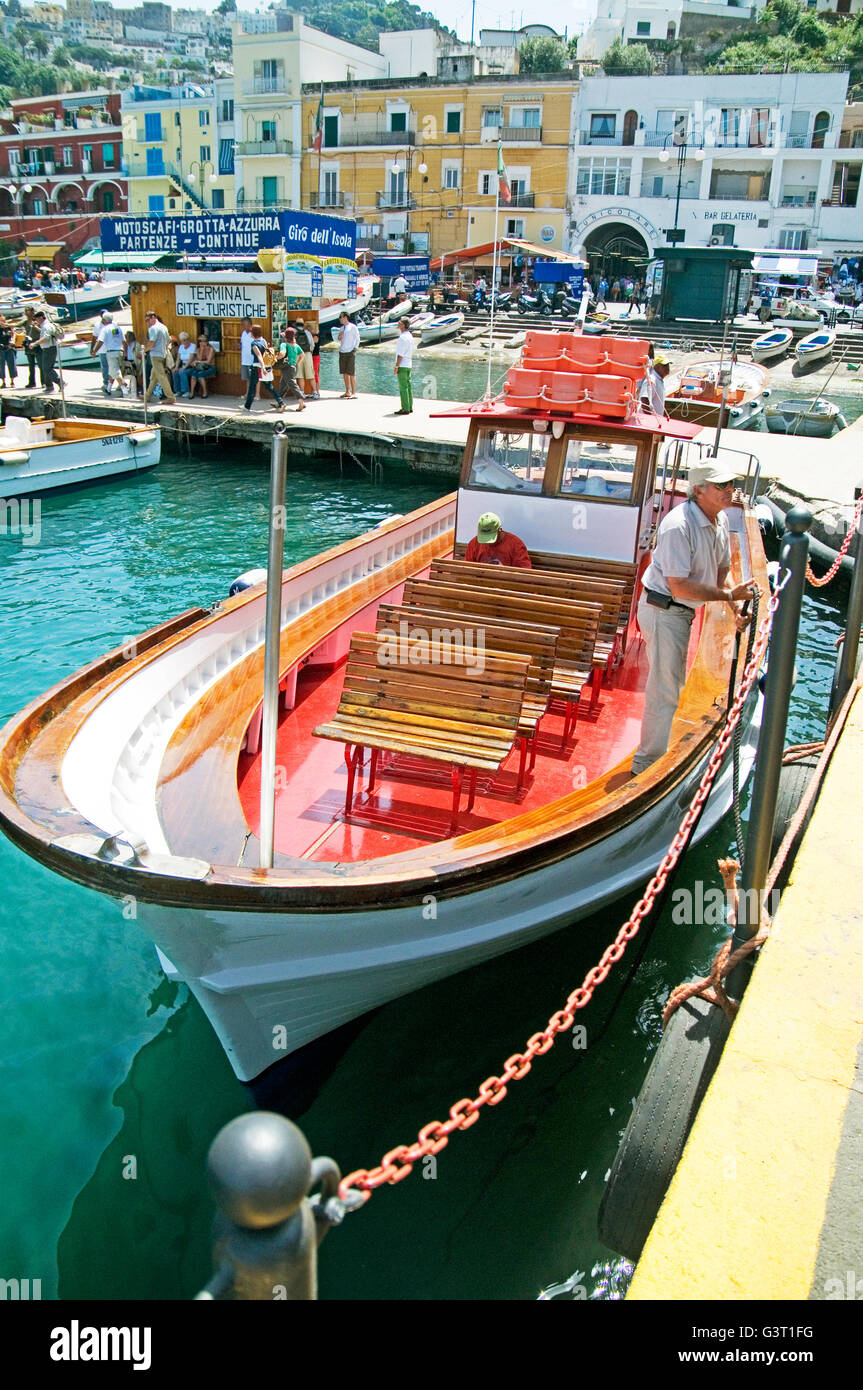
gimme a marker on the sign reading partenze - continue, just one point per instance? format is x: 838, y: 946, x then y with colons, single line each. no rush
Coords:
x: 231, y: 232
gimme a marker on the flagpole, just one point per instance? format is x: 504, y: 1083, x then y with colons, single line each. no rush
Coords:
x: 493, y: 290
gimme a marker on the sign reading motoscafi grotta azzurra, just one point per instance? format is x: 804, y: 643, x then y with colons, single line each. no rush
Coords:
x: 231, y: 233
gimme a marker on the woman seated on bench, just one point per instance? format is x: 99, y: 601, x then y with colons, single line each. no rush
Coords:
x: 493, y: 546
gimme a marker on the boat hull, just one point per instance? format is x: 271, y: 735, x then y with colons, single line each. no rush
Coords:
x: 62, y: 465
x: 272, y: 982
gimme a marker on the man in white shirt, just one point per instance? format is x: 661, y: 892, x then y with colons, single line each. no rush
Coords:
x: 690, y: 567
x: 349, y: 341
x: 98, y: 349
x: 110, y: 340
x: 247, y: 358
x: 404, y: 361
x: 651, y: 388
x: 399, y: 286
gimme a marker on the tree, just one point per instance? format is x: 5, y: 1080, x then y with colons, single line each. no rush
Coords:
x: 628, y: 60
x: 785, y: 13
x: 572, y: 49
x: 226, y: 7
x: 40, y: 45
x: 541, y: 55
x: 61, y: 58
x: 810, y: 32
x: 21, y: 36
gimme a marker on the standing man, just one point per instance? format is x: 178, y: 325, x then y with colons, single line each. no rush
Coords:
x: 349, y: 341
x: 398, y: 286
x: 155, y: 350
x: 690, y: 567
x: 46, y: 344
x: 100, y: 350
x: 305, y: 365
x: 247, y: 357
x: 651, y: 388
x: 31, y: 330
x: 7, y: 352
x: 404, y: 361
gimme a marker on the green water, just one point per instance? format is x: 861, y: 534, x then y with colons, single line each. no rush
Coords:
x: 108, y: 1071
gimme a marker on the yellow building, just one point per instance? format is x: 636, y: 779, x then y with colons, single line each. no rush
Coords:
x: 415, y: 162
x: 178, y: 148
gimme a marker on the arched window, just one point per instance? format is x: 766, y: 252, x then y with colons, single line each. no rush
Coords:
x: 820, y: 129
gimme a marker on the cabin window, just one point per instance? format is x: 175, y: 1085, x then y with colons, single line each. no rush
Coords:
x: 599, y: 468
x: 504, y: 461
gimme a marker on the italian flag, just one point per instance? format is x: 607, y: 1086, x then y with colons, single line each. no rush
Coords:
x: 502, y: 179
x: 319, y: 124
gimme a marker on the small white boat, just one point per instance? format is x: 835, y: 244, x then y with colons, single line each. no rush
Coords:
x: 441, y: 328
x: 41, y: 455
x: 91, y: 298
x: 816, y: 347
x: 772, y: 344
x: 397, y: 311
x: 420, y: 321
x: 817, y: 419
x: 329, y: 312
x: 378, y: 332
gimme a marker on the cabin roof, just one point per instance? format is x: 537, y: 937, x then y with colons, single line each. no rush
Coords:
x: 639, y: 423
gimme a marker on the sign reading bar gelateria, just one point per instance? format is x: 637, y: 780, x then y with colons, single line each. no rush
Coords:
x: 221, y: 301
x: 231, y: 232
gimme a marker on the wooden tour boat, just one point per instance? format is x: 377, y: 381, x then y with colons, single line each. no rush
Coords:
x: 695, y: 393
x: 492, y: 713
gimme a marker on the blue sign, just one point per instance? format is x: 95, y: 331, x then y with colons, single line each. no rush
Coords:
x: 558, y: 273
x: 231, y: 232
x: 415, y: 269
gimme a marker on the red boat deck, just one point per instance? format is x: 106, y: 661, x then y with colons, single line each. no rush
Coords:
x: 411, y: 803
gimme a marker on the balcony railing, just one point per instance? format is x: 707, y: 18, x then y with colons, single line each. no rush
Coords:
x: 762, y: 197
x: 326, y: 200
x: 851, y: 139
x: 586, y: 138
x: 532, y: 134
x: 249, y: 148
x: 372, y: 135
x: 798, y: 200
x: 265, y: 86
x: 261, y: 204
x: 395, y: 200
x: 523, y: 200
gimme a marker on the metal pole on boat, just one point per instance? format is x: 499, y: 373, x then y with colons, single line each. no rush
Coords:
x: 771, y: 744
x: 725, y: 387
x: 494, y: 256
x: 847, y: 664
x: 62, y: 383
x: 269, y: 723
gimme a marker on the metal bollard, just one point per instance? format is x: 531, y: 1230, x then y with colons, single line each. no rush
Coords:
x: 850, y: 645
x: 266, y: 1232
x: 771, y: 744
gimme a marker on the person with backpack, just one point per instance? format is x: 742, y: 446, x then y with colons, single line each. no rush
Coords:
x: 47, y: 343
x: 305, y: 366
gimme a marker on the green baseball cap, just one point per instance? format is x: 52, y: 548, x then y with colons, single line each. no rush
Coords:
x: 487, y: 528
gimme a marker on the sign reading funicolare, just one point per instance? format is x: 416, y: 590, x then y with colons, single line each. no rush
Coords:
x: 221, y: 301
x: 231, y: 232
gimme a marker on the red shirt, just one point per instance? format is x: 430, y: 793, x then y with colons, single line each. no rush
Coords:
x: 506, y: 550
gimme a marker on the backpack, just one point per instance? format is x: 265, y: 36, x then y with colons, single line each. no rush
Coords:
x: 170, y: 364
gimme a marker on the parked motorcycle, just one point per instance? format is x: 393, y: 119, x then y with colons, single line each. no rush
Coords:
x: 538, y: 303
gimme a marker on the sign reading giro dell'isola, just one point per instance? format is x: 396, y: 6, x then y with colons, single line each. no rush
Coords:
x: 231, y: 233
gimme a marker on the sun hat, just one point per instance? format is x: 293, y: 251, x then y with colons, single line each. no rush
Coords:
x: 703, y: 473
x: 487, y: 528
x: 660, y: 360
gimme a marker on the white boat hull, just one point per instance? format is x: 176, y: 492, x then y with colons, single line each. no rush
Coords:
x: 25, y: 471
x: 90, y: 299
x: 271, y: 982
x: 73, y: 354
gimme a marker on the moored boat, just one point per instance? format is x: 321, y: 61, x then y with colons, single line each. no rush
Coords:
x: 443, y: 327
x: 377, y: 332
x: 140, y: 774
x: 90, y: 298
x: 771, y: 345
x: 329, y: 312
x: 816, y: 418
x: 696, y: 392
x: 39, y: 455
x: 815, y: 347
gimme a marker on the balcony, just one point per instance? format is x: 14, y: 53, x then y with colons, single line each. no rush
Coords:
x: 326, y: 200
x: 248, y: 149
x: 400, y: 201
x: 373, y: 135
x: 265, y: 86
x: 521, y: 134
x: 851, y: 139
x: 522, y: 200
x: 798, y: 200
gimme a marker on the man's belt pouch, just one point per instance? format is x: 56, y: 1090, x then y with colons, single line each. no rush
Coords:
x: 658, y: 600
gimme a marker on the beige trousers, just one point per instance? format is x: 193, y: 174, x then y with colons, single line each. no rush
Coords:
x: 159, y: 377
x: 666, y: 638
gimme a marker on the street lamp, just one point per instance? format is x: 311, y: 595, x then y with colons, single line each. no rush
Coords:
x: 676, y: 236
x: 202, y: 166
x: 395, y: 170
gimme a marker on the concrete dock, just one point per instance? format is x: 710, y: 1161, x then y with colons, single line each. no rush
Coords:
x: 765, y: 1203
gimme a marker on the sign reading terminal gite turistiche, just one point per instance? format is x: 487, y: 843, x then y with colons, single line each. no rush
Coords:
x: 216, y: 301
x: 231, y: 233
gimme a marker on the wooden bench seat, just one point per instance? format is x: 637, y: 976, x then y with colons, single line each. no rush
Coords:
x: 536, y: 642
x: 568, y: 588
x: 401, y: 697
x: 576, y: 660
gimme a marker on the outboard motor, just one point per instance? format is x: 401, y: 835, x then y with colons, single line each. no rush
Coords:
x: 248, y: 580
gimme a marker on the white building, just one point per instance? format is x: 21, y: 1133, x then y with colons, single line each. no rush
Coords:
x: 735, y: 160
x: 642, y: 21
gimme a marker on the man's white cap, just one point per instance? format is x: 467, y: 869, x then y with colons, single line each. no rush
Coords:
x: 703, y: 473
x: 106, y: 317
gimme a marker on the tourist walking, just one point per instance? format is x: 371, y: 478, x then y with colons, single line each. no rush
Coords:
x: 316, y: 358
x: 50, y: 334
x: 602, y: 292
x: 289, y: 356
x: 31, y: 332
x: 7, y: 353
x: 156, y: 350
x: 247, y: 357
x: 98, y: 349
x: 111, y: 343
x: 349, y: 341
x: 404, y: 361
x: 305, y: 366
x: 261, y: 371
x: 205, y: 367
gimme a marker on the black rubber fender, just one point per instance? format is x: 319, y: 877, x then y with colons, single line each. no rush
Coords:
x: 794, y: 778
x: 664, y: 1112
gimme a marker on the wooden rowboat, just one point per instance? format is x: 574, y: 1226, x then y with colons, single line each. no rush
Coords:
x: 140, y: 775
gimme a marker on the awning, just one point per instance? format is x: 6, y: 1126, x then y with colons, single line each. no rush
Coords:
x: 507, y: 245
x: 140, y: 260
x: 41, y: 251
x: 786, y: 265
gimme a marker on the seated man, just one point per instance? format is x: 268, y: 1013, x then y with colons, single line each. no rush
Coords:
x: 494, y: 546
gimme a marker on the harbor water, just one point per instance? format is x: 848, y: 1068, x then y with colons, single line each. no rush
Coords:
x: 111, y: 1082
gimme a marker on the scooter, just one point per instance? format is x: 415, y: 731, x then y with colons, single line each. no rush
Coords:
x: 534, y: 304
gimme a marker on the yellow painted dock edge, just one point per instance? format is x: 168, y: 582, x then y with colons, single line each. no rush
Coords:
x: 744, y: 1213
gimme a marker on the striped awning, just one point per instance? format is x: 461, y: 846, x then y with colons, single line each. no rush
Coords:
x: 226, y: 156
